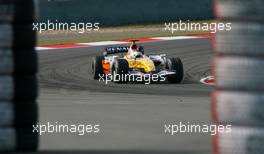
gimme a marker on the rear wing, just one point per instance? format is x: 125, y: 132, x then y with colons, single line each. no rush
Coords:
x: 117, y: 50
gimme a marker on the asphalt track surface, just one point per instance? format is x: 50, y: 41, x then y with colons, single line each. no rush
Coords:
x: 131, y: 116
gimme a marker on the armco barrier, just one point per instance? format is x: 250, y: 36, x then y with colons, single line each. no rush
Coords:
x: 18, y: 80
x: 238, y: 98
x: 118, y: 12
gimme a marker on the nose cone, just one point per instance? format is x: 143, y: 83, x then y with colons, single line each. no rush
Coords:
x: 149, y: 66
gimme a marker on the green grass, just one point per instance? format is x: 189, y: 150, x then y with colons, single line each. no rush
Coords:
x: 110, y: 33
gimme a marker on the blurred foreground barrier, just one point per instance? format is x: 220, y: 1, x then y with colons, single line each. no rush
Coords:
x: 239, y: 73
x: 18, y: 80
x: 247, y: 110
x: 238, y: 98
x: 245, y: 39
x: 242, y: 140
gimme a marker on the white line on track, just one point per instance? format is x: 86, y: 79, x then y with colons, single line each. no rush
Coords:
x: 102, y: 43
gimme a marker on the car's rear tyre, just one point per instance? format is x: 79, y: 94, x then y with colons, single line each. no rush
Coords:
x: 175, y: 64
x: 97, y: 67
x: 120, y: 70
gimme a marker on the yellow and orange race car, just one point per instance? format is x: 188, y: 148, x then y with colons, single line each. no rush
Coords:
x: 130, y: 64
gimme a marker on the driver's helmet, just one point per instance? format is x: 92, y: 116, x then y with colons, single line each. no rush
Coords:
x: 141, y: 49
x: 138, y: 54
x: 135, y: 54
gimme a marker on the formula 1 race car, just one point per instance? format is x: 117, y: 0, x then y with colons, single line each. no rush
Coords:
x: 130, y: 64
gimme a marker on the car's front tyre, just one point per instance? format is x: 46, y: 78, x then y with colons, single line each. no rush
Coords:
x: 175, y: 64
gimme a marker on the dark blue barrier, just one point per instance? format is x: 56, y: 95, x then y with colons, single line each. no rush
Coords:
x: 120, y: 12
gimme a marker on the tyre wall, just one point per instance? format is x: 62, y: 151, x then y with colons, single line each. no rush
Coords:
x: 18, y: 81
x: 238, y: 98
